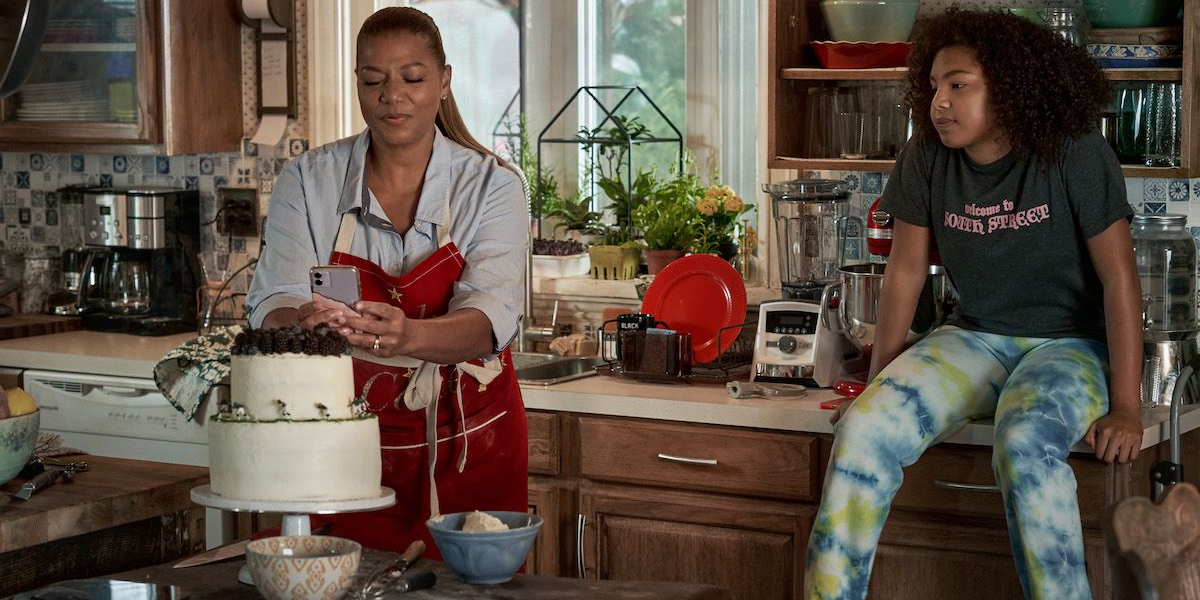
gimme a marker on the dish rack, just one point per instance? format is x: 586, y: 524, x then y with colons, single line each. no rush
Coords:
x: 734, y: 363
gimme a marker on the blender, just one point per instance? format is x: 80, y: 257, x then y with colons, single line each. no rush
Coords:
x: 1165, y: 254
x: 812, y: 230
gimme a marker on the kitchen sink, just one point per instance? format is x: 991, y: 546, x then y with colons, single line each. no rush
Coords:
x: 549, y: 369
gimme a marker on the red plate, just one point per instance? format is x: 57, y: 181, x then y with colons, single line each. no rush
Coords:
x: 699, y: 294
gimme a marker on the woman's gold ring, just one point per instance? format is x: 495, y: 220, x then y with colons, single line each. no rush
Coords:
x: 375, y: 346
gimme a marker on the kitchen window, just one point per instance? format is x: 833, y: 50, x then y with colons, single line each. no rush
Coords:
x: 696, y: 59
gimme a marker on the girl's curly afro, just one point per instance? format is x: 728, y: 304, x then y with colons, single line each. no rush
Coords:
x: 1043, y: 89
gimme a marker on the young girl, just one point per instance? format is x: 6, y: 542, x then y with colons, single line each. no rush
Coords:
x: 1026, y: 204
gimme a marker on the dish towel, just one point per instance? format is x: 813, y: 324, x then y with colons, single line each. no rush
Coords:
x: 187, y: 373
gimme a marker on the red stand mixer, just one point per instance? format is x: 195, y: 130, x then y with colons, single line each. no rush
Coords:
x: 859, y: 287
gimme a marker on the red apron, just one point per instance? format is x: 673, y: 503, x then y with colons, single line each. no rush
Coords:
x: 488, y: 420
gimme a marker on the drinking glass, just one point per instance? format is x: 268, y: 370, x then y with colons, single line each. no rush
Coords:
x: 851, y: 131
x: 1131, y: 142
x: 1162, y: 108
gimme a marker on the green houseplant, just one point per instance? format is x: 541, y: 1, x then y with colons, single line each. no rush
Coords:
x: 615, y: 256
x: 667, y: 217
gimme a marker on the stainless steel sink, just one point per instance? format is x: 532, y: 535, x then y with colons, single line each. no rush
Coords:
x: 549, y: 369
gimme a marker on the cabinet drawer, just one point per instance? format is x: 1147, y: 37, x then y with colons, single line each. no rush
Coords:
x: 544, y: 446
x: 699, y: 457
x: 927, y: 484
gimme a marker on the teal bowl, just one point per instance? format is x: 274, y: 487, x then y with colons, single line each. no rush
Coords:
x: 1116, y: 14
x: 870, y: 20
x: 17, y: 438
x: 485, y: 557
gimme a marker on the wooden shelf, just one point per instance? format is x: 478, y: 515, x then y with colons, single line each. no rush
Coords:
x: 899, y: 73
x: 91, y: 47
x: 885, y: 166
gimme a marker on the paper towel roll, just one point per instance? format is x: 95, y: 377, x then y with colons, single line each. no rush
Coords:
x: 272, y: 68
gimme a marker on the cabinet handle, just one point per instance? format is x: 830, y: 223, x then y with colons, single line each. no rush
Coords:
x: 580, y: 521
x: 707, y: 462
x: 966, y: 487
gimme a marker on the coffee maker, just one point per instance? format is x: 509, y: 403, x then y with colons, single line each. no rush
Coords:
x: 141, y: 269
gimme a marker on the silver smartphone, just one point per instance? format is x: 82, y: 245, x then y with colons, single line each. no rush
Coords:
x: 336, y: 282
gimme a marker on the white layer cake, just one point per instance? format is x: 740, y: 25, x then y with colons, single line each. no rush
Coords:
x: 293, y: 435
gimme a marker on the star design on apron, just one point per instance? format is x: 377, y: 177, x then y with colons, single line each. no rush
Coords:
x: 395, y: 294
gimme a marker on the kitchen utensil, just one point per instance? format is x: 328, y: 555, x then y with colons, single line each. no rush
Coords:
x: 485, y: 557
x: 870, y: 20
x: 797, y: 343
x: 700, y: 295
x: 748, y: 389
x: 302, y: 567
x: 859, y: 286
x: 1136, y: 56
x: 814, y: 233
x: 127, y: 291
x: 49, y: 475
x: 861, y: 55
x: 420, y: 581
x: 1163, y: 105
x: 382, y: 580
x: 19, y: 435
x: 104, y: 589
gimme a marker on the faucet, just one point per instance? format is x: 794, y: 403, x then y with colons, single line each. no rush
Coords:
x: 530, y: 332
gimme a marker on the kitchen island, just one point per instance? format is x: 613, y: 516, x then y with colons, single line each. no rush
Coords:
x: 119, y: 514
x: 626, y: 473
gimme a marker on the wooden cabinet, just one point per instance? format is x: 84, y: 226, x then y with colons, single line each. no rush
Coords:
x: 132, y: 77
x: 794, y: 72
x: 637, y: 499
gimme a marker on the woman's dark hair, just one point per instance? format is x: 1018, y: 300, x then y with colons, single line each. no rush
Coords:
x: 404, y: 19
x: 1042, y: 89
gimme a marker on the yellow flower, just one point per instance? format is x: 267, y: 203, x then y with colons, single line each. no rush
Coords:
x: 734, y: 204
x: 751, y: 238
x: 707, y: 207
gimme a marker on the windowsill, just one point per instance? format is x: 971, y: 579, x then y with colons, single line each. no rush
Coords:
x: 623, y: 290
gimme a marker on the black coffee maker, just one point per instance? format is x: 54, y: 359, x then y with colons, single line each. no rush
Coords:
x: 141, y: 269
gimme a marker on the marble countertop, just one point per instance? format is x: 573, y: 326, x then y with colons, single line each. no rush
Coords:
x: 134, y: 356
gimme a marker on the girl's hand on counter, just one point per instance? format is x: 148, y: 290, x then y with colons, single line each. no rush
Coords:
x: 1116, y: 437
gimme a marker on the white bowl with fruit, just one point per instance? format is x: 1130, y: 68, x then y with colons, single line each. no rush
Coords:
x: 19, y: 422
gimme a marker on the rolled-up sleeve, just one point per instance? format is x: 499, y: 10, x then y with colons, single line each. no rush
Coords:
x: 281, y: 276
x: 494, y: 249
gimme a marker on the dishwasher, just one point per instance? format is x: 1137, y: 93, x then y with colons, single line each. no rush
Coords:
x: 125, y: 417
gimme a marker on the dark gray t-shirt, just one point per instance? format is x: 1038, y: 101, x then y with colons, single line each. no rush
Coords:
x: 1013, y: 238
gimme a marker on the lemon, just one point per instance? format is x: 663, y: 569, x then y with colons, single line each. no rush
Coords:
x: 20, y: 402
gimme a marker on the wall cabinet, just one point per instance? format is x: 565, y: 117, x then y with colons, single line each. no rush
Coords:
x: 132, y: 77
x: 650, y: 500
x: 794, y: 71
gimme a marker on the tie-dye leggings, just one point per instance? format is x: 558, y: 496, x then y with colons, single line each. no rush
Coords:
x: 1043, y: 394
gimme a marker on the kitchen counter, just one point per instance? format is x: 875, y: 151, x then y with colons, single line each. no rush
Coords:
x: 218, y: 581
x: 119, y: 514
x: 135, y: 356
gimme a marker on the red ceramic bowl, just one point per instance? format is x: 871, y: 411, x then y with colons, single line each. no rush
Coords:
x: 861, y: 55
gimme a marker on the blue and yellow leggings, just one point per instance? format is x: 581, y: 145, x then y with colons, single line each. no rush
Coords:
x: 1043, y: 394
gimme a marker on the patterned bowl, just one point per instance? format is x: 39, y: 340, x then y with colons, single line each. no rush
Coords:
x: 303, y: 567
x: 485, y: 557
x: 17, y: 438
x: 1116, y: 56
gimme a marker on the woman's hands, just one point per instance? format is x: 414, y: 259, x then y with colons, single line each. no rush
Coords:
x: 1116, y: 437
x: 378, y: 328
x: 323, y: 310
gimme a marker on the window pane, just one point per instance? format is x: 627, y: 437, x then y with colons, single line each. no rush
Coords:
x: 482, y: 45
x: 643, y: 43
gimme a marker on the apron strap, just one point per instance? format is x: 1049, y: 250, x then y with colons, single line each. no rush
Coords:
x: 345, y: 234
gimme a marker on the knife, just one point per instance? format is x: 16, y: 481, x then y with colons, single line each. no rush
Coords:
x: 42, y: 481
x: 230, y: 550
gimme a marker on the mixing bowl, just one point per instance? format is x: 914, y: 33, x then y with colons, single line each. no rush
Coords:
x: 303, y: 567
x: 1131, y: 13
x: 485, y: 557
x: 17, y: 438
x: 870, y: 20
x: 859, y: 309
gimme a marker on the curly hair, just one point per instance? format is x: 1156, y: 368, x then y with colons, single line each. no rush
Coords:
x: 1043, y: 89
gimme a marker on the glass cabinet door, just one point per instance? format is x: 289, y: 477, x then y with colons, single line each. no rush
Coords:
x: 90, y: 80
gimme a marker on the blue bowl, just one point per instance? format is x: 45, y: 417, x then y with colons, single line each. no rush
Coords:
x: 485, y: 557
x: 18, y: 435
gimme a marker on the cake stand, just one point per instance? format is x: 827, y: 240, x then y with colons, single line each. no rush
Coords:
x: 295, y: 514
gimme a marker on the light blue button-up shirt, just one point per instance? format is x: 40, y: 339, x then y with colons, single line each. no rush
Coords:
x: 488, y: 220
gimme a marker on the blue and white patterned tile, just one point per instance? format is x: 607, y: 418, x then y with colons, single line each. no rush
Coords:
x: 1177, y: 190
x: 22, y: 179
x: 37, y: 162
x: 77, y: 163
x: 1196, y: 190
x: 162, y: 165
x: 1153, y: 208
x: 872, y: 183
x: 1154, y: 190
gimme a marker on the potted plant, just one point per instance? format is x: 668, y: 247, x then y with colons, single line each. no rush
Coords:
x: 560, y: 258
x: 717, y: 212
x: 616, y: 256
x: 575, y: 215
x: 667, y: 218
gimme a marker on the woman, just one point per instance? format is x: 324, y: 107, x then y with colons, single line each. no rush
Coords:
x: 437, y: 227
x: 1026, y: 205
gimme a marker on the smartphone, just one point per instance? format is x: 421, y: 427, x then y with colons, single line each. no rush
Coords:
x: 336, y: 282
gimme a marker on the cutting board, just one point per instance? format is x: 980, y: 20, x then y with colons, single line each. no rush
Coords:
x: 28, y: 325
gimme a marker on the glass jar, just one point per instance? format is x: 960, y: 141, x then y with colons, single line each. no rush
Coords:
x: 1165, y: 253
x: 1066, y: 22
